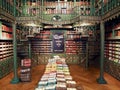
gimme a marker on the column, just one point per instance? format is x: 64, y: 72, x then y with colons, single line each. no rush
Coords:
x: 92, y: 7
x: 0, y: 30
x: 86, y: 66
x: 42, y: 10
x: 102, y: 9
x: 24, y: 7
x: 15, y: 78
x: 74, y: 3
x: 29, y: 49
x: 42, y: 3
x: 1, y: 3
x: 101, y: 79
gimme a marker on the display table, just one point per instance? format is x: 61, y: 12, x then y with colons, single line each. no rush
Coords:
x: 57, y: 76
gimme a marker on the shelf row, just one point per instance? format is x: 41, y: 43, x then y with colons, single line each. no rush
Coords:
x: 112, y: 55
x: 112, y: 42
x: 112, y: 50
x: 5, y: 32
x: 114, y: 59
x: 6, y: 50
x: 114, y: 32
x: 56, y: 3
x: 8, y: 45
x: 7, y: 55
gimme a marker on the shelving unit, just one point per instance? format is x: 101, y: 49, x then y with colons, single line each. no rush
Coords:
x: 6, y: 50
x: 112, y: 49
x: 5, y: 32
x: 43, y: 35
x: 73, y: 47
x: 6, y: 46
x: 25, y: 72
x: 42, y: 44
x: 112, y: 52
x: 65, y: 7
x: 22, y: 49
x: 83, y: 7
x: 94, y: 47
x: 60, y: 7
x: 112, y: 55
x: 73, y: 43
x: 42, y: 47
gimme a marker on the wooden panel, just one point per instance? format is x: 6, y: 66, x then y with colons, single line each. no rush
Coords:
x: 43, y: 58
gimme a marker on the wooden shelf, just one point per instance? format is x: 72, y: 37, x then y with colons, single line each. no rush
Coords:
x: 6, y: 50
x: 5, y: 32
x: 74, y: 45
x: 112, y: 50
x: 114, y: 38
x: 23, y: 40
x: 116, y: 28
x: 42, y: 45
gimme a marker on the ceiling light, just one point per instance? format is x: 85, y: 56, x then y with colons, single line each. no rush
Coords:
x: 32, y: 24
x: 85, y: 24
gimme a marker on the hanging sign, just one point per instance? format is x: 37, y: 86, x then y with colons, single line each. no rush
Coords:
x: 58, y: 42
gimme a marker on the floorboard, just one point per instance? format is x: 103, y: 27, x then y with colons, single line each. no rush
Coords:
x: 85, y: 78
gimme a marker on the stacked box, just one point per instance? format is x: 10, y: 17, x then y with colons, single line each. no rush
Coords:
x: 71, y: 84
x: 56, y: 76
x: 25, y: 72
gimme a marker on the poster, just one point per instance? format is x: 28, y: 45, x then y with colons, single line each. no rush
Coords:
x: 58, y: 42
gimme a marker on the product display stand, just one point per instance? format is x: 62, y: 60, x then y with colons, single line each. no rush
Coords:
x: 25, y: 72
x: 57, y: 76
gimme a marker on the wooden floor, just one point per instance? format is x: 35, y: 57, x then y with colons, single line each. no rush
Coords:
x: 84, y: 78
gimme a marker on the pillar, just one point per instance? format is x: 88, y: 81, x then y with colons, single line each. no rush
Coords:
x: 74, y: 3
x: 1, y: 3
x: 101, y: 79
x: 15, y: 78
x: 24, y: 7
x: 42, y: 3
x: 42, y: 10
x: 86, y: 66
x: 0, y: 29
x: 92, y: 7
x: 29, y: 49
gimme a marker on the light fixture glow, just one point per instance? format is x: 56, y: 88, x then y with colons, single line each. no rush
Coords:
x: 85, y: 24
x: 32, y: 24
